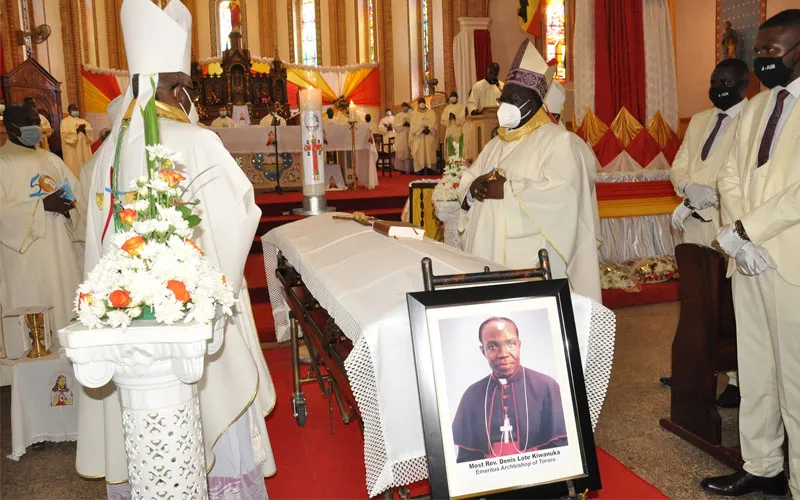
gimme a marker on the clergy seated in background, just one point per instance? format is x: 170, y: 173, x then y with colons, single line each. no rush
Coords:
x: 41, y: 232
x: 703, y: 152
x: 529, y: 188
x: 272, y: 119
x: 223, y: 120
x: 453, y: 116
x: 512, y: 410
x: 402, y: 141
x: 76, y: 140
x: 424, y: 138
x: 236, y: 391
x: 47, y: 128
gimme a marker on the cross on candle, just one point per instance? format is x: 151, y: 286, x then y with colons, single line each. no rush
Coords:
x: 313, y: 148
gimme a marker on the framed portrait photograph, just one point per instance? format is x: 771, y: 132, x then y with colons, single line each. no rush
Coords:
x: 502, y: 392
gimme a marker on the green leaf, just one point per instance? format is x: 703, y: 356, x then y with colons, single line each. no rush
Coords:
x: 184, y: 210
x: 193, y: 220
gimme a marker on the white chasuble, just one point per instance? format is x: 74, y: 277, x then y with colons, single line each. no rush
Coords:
x: 235, y: 379
x: 423, y: 147
x: 484, y: 95
x: 76, y: 146
x: 39, y: 250
x: 402, y: 143
x: 547, y: 204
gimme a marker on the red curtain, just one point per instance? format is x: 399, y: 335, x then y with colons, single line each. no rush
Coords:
x: 483, y: 53
x: 619, y: 59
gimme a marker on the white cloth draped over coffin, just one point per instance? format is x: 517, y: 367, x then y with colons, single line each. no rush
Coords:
x: 256, y: 139
x: 361, y: 278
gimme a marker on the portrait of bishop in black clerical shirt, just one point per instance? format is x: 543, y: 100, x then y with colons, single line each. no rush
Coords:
x: 514, y: 409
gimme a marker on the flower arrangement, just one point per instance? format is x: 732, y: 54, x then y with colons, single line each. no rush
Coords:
x: 152, y: 269
x: 445, y: 189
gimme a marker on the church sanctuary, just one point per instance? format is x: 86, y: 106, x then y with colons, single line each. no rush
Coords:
x: 393, y: 249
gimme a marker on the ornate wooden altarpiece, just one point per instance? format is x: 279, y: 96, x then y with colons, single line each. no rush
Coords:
x: 30, y: 79
x: 237, y: 85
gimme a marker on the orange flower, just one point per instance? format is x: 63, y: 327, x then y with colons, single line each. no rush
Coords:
x: 133, y: 245
x: 179, y: 290
x: 171, y: 177
x: 195, y: 246
x: 127, y: 216
x: 224, y: 279
x: 119, y: 298
x: 87, y: 297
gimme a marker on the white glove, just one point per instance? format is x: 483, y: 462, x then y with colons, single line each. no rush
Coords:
x: 752, y: 260
x: 729, y: 241
x: 701, y: 196
x: 679, y: 215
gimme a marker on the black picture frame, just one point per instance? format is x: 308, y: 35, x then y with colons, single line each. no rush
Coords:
x: 419, y: 305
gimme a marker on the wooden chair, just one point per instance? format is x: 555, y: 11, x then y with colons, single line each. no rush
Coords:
x: 704, y: 345
x: 385, y: 153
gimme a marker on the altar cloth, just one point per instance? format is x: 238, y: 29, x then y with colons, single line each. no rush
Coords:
x: 361, y: 278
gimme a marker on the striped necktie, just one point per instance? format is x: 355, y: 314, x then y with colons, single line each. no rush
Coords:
x: 710, y: 140
x: 772, y: 125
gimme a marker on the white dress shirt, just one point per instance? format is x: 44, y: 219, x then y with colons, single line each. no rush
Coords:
x: 730, y: 115
x: 788, y: 105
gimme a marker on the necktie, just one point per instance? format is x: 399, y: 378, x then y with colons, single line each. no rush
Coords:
x: 710, y: 140
x: 772, y: 124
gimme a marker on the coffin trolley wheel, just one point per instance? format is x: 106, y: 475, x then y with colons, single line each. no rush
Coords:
x: 299, y: 408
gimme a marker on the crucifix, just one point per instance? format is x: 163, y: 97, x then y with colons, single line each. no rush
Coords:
x: 313, y: 148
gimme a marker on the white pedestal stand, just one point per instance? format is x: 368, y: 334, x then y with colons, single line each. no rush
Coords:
x: 449, y: 212
x: 155, y: 368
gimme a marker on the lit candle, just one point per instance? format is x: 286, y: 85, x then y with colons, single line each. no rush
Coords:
x: 352, y: 110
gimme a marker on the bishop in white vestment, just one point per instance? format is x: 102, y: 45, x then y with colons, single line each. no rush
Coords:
x: 76, y: 140
x: 423, y: 137
x: 236, y: 391
x: 40, y: 230
x: 528, y: 188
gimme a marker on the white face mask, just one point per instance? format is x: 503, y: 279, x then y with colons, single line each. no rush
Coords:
x: 75, y: 114
x: 509, y: 116
x: 405, y: 110
x: 453, y: 100
x: 30, y: 135
x: 423, y: 106
x: 194, y: 117
x: 223, y: 114
x: 388, y: 113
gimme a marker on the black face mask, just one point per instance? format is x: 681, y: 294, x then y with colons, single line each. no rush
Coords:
x: 724, y: 97
x: 772, y: 71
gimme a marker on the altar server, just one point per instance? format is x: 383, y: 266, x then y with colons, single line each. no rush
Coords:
x: 402, y: 143
x: 223, y: 120
x: 423, y: 137
x: 704, y: 150
x: 272, y: 119
x: 514, y: 409
x: 236, y: 392
x: 759, y: 190
x: 529, y: 189
x: 76, y: 140
x: 39, y: 229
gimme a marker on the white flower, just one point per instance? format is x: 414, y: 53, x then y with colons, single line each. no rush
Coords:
x: 118, y: 317
x: 159, y: 185
x: 141, y: 204
x: 144, y: 191
x: 168, y: 310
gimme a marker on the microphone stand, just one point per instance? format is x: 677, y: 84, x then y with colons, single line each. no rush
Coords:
x: 277, y: 158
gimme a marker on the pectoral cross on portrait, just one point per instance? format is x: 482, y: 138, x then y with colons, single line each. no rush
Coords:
x: 506, y: 429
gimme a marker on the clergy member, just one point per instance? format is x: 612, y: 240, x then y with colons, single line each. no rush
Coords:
x: 272, y: 119
x: 704, y: 150
x: 423, y: 137
x: 223, y: 120
x: 45, y: 123
x: 529, y: 189
x: 386, y: 125
x: 759, y: 189
x: 453, y: 116
x: 237, y: 390
x: 486, y: 92
x: 76, y: 140
x: 402, y: 142
x: 39, y: 229
x: 512, y: 410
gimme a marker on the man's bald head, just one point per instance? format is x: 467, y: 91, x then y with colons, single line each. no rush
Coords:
x: 497, y: 321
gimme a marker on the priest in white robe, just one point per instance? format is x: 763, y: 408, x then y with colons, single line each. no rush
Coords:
x: 40, y: 230
x: 236, y: 391
x: 223, y: 120
x: 386, y: 124
x: 484, y: 94
x: 272, y: 119
x: 402, y: 142
x: 528, y: 188
x: 76, y: 140
x: 424, y: 137
x: 453, y: 117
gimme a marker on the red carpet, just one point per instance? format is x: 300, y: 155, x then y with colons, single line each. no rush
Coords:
x: 315, y: 464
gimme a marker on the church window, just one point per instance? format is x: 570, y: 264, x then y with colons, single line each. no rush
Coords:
x: 371, y: 27
x: 556, y: 36
x: 427, y: 70
x: 308, y: 32
x: 225, y: 25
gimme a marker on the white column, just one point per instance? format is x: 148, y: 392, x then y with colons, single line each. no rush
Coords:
x: 464, y: 53
x: 155, y: 368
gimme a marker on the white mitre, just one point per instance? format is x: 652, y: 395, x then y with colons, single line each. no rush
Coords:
x: 157, y: 41
x: 556, y: 96
x: 529, y: 70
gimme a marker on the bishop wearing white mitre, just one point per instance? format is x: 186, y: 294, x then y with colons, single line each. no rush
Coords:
x: 39, y: 229
x: 529, y: 189
x: 236, y: 391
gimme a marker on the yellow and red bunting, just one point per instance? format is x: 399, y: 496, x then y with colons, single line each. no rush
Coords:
x: 530, y: 14
x: 98, y: 90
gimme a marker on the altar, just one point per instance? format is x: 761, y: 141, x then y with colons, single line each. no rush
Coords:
x: 254, y: 149
x: 360, y: 278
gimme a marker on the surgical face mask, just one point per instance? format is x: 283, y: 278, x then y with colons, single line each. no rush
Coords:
x: 194, y: 116
x: 423, y: 106
x: 223, y: 114
x: 75, y: 114
x: 453, y: 100
x: 405, y: 110
x: 724, y: 98
x: 510, y: 116
x: 772, y: 71
x: 30, y: 135
x: 388, y: 113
